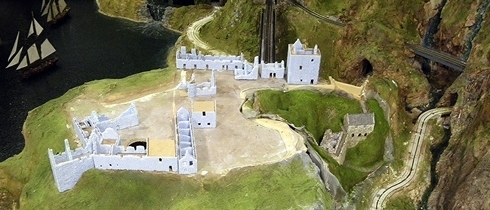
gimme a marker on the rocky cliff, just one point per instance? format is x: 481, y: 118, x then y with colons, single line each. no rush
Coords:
x: 463, y: 170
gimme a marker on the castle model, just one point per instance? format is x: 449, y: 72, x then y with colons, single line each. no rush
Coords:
x: 101, y: 146
x: 303, y: 64
x: 102, y: 149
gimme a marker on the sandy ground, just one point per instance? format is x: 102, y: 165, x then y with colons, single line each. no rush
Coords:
x: 235, y: 142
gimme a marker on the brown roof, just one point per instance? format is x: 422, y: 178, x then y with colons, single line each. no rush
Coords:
x: 161, y: 148
x: 203, y: 106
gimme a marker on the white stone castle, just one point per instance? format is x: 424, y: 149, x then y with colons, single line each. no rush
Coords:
x: 101, y: 143
x: 303, y: 64
x: 102, y: 149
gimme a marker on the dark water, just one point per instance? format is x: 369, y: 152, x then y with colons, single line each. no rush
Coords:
x: 89, y: 45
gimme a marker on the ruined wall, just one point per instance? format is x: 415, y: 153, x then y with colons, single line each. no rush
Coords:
x: 348, y: 88
x: 185, y: 143
x: 184, y: 60
x: 272, y: 70
x: 66, y: 172
x: 249, y: 72
x: 128, y: 118
x: 135, y: 162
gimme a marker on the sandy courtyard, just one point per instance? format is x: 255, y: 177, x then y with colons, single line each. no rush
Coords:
x: 235, y: 142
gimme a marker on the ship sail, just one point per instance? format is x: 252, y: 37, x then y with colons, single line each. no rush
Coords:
x: 50, y: 14
x: 15, y: 60
x: 62, y: 5
x: 43, y: 8
x: 35, y: 28
x: 14, y: 50
x: 46, y: 49
x: 31, y: 56
x: 54, y: 9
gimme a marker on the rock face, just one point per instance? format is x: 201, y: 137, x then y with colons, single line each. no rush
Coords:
x: 464, y: 173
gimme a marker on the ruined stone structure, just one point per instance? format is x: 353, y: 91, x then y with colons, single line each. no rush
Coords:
x: 303, y: 64
x: 249, y: 72
x: 202, y: 89
x: 334, y: 143
x: 199, y: 61
x: 204, y: 114
x: 102, y: 149
x: 272, y: 70
x: 185, y: 139
x: 358, y: 126
x: 355, y: 129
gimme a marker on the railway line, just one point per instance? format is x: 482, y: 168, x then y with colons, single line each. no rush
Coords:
x: 382, y: 195
x: 268, y: 33
x: 331, y: 20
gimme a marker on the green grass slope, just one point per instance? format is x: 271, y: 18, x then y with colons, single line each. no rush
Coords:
x: 289, y: 184
x: 318, y: 112
x: 235, y: 28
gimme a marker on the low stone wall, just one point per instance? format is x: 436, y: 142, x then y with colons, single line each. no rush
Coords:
x: 134, y: 162
x: 355, y: 91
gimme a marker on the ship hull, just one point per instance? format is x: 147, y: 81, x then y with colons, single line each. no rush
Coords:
x: 43, y: 66
x: 60, y: 16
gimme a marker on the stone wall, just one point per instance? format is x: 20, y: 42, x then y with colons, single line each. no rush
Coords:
x: 185, y: 142
x: 355, y: 91
x: 248, y: 72
x: 135, y: 162
x: 272, y: 70
x: 196, y: 61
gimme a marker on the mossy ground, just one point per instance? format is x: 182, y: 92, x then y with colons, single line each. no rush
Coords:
x: 235, y: 28
x: 400, y: 203
x: 314, y: 110
x: 318, y: 112
x: 183, y: 17
x: 276, y: 186
x: 369, y: 152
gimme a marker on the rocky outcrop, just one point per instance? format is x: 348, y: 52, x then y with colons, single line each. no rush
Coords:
x: 464, y: 175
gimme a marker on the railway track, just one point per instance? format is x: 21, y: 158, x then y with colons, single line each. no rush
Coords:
x: 267, y: 33
x: 332, y: 20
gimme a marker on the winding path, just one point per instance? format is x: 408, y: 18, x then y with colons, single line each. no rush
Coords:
x: 193, y: 34
x: 412, y: 162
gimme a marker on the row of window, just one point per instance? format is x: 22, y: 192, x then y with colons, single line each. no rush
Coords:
x: 360, y: 134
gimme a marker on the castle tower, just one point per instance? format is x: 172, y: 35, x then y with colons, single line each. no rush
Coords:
x: 303, y: 64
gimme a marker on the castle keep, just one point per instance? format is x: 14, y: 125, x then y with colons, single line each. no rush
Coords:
x: 303, y: 64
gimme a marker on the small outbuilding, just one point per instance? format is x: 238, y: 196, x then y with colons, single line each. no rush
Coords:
x: 358, y: 126
x: 204, y: 114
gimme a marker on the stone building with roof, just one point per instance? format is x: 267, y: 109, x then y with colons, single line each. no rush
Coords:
x: 358, y: 126
x: 204, y: 114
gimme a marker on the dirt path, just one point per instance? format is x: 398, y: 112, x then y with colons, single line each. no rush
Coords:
x: 193, y: 34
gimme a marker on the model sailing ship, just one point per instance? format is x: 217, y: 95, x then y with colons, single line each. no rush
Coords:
x: 55, y: 9
x: 32, y: 58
